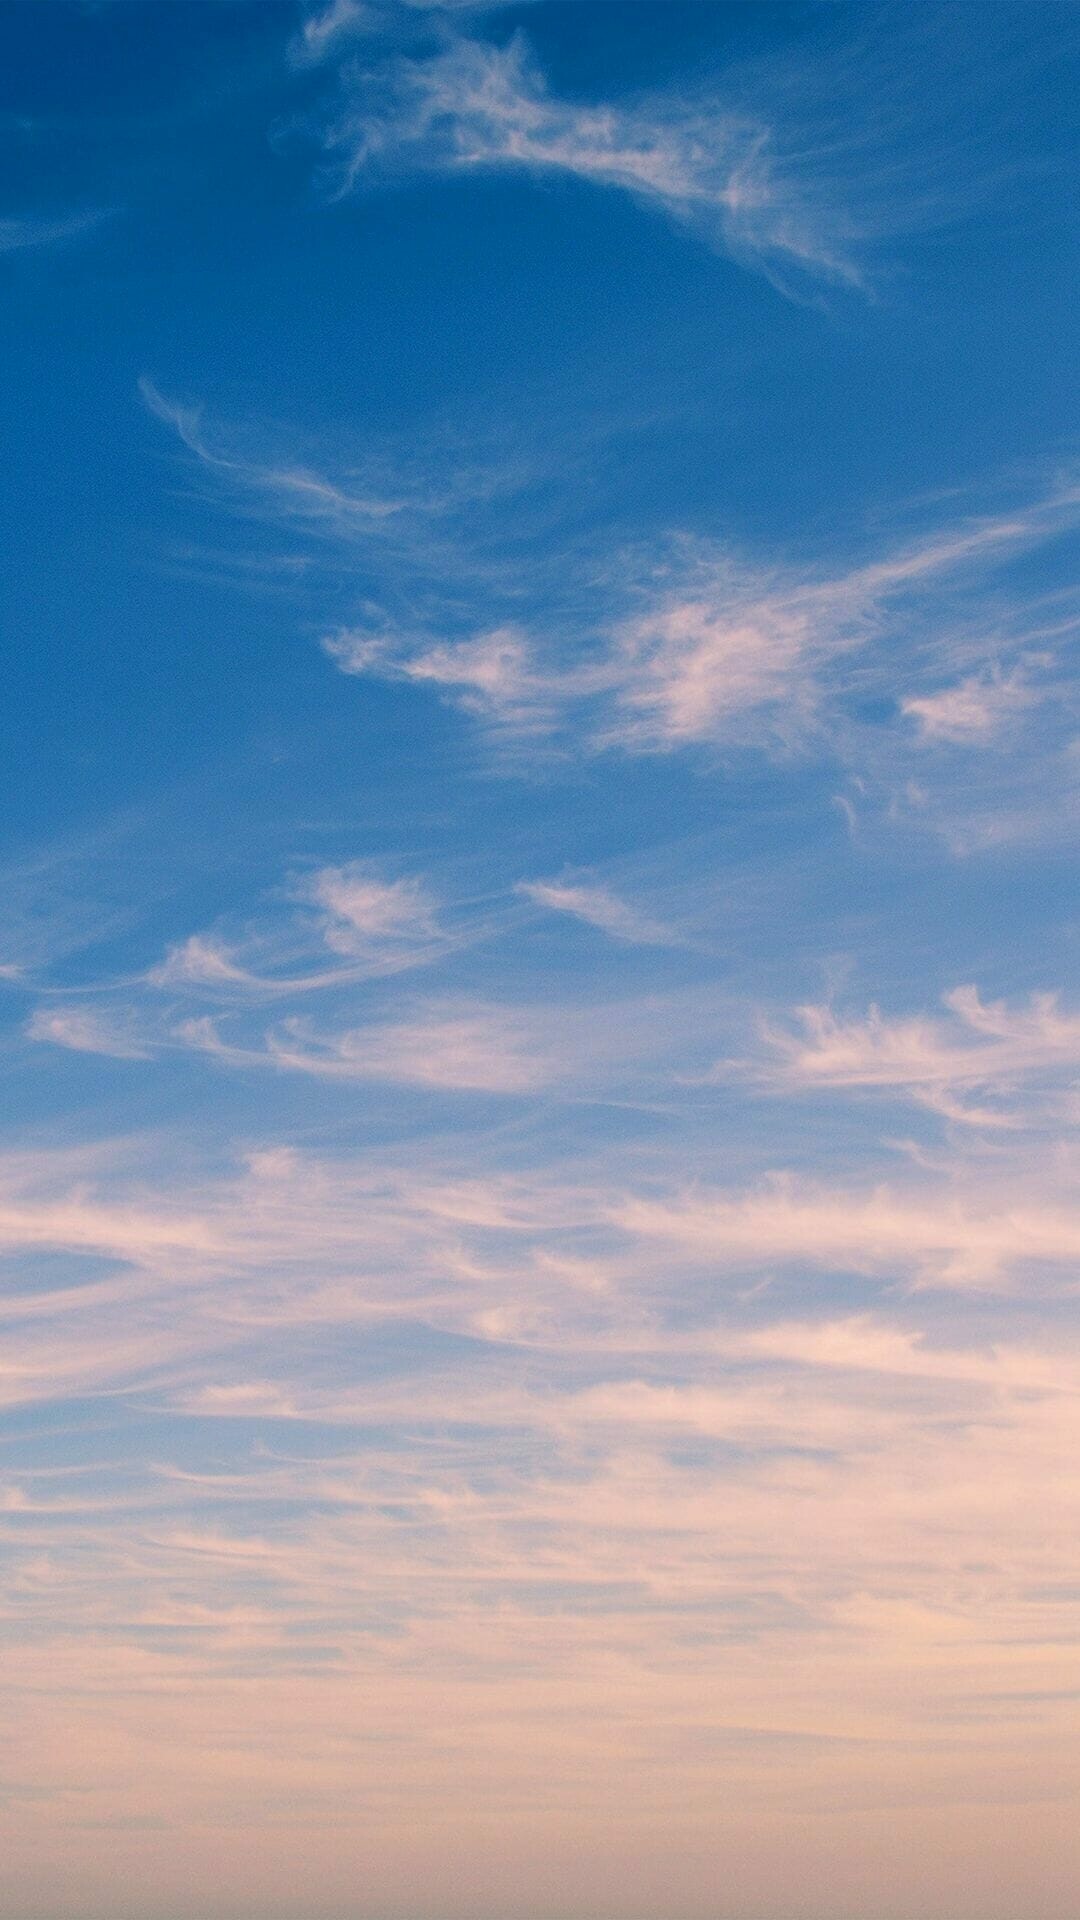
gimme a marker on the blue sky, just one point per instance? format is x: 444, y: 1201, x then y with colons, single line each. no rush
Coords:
x: 537, y: 967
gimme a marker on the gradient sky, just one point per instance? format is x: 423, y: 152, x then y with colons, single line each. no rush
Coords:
x: 541, y: 1051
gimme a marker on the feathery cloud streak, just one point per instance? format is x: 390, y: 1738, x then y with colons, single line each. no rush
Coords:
x: 476, y: 107
x: 33, y: 231
x: 720, y: 653
x: 697, y: 646
x: 1016, y: 1055
x: 597, y: 907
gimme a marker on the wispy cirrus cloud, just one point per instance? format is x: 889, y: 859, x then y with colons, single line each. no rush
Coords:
x: 974, y: 711
x: 33, y: 231
x: 296, y: 492
x: 325, y: 28
x: 471, y: 1050
x: 335, y: 927
x: 947, y: 1242
x: 84, y: 1030
x: 203, y: 962
x: 432, y: 1234
x: 465, y: 1044
x: 988, y: 1049
x: 328, y: 30
x: 467, y: 1524
x: 722, y: 651
x: 709, y: 649
x: 684, y: 642
x: 363, y: 910
x: 598, y: 907
x: 475, y: 1441
x: 475, y: 106
x: 494, y: 675
x: 372, y: 925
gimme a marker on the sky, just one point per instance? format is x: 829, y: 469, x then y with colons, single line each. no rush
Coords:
x: 539, y: 1025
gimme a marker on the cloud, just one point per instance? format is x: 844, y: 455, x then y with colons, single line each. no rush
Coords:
x: 363, y: 911
x: 360, y: 1556
x: 493, y: 675
x: 376, y: 926
x: 971, y: 713
x: 685, y: 643
x: 988, y: 1048
x: 80, y: 1223
x: 522, y: 1503
x: 693, y: 664
x: 565, y: 1256
x: 34, y: 231
x: 323, y: 31
x: 200, y: 961
x: 598, y: 907
x: 85, y: 1031
x: 723, y: 644
x: 294, y: 492
x: 627, y: 1050
x: 944, y: 1243
x: 326, y: 30
x: 474, y: 1051
x: 476, y: 107
x: 710, y: 650
x: 468, y: 1050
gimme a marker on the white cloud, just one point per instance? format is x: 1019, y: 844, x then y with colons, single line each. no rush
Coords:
x: 973, y: 712
x: 379, y: 926
x: 20, y: 235
x: 598, y: 907
x: 699, y: 647
x: 478, y: 1051
x: 690, y: 667
x: 84, y: 1030
x: 322, y: 32
x: 293, y: 492
x: 326, y: 30
x: 724, y: 651
x: 477, y: 106
x: 945, y: 1241
x: 477, y: 1532
x: 200, y: 961
x: 362, y: 910
x: 471, y: 1049
x: 717, y: 652
x: 986, y: 1048
x: 493, y: 675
